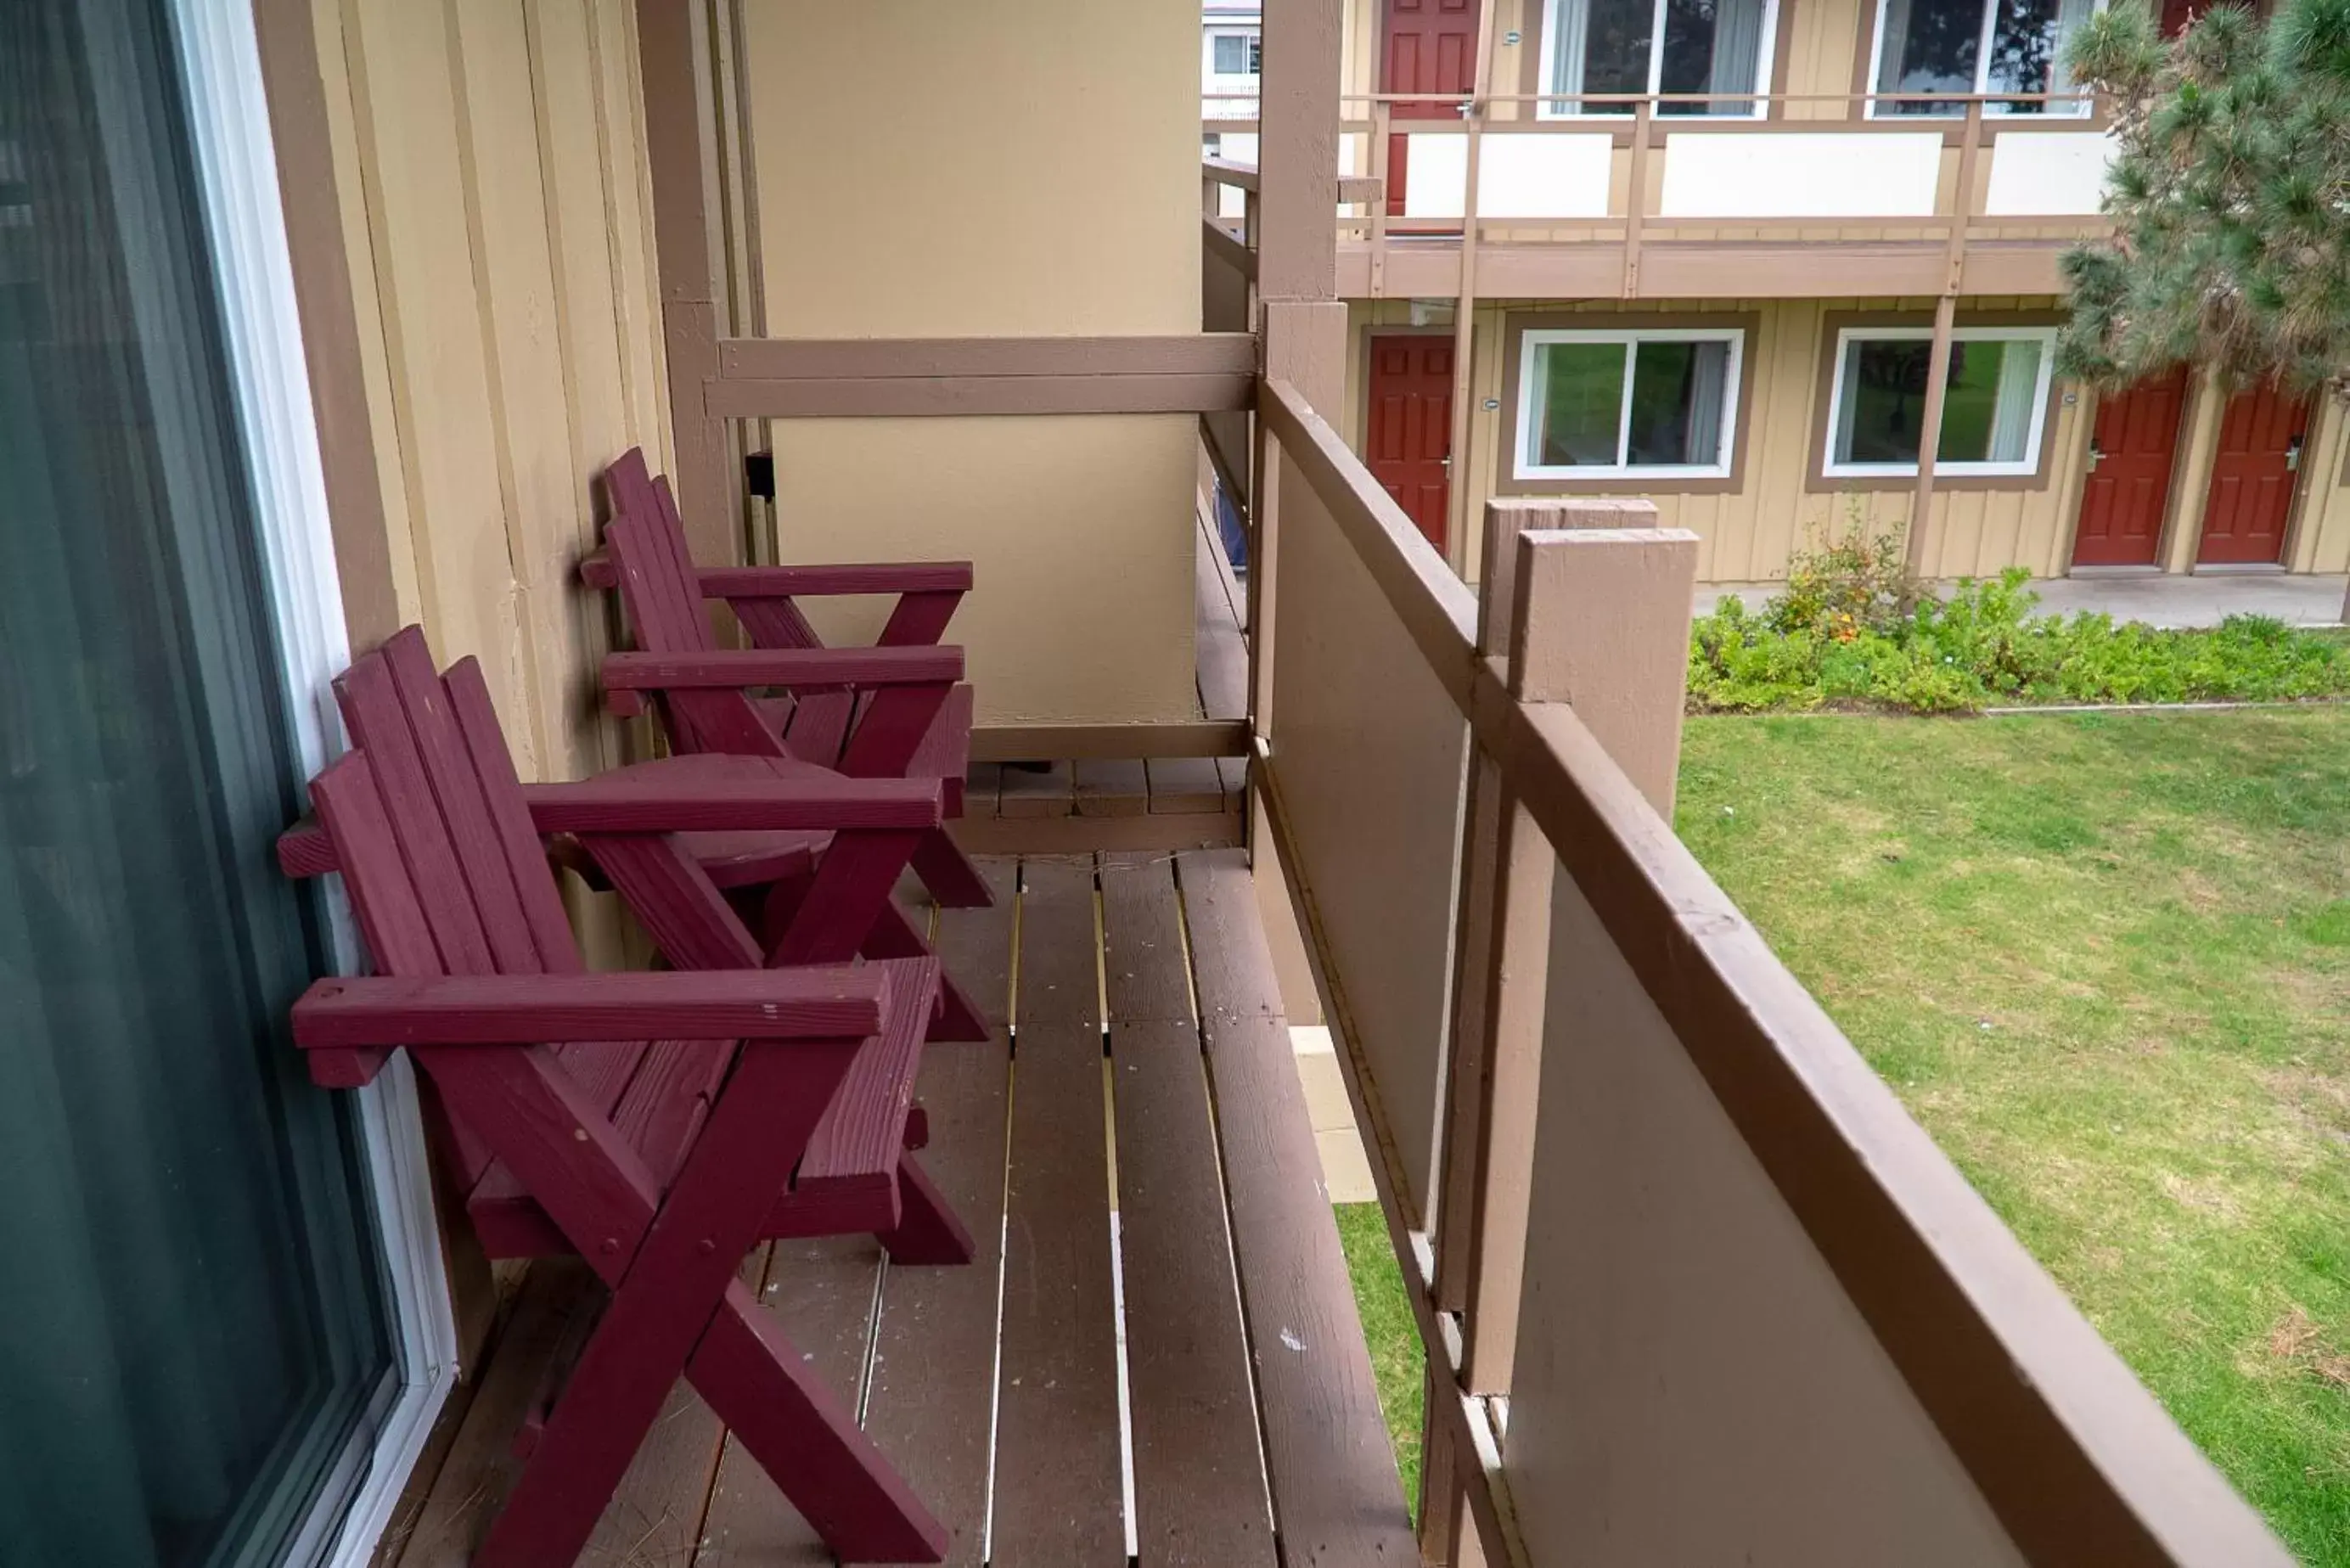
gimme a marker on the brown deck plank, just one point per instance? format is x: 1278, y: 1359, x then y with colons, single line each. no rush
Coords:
x: 1111, y: 787
x: 1198, y: 1486
x: 1026, y: 792
x: 933, y: 1383
x: 549, y: 1315
x: 1059, y: 1494
x: 1184, y: 783
x: 821, y: 1291
x: 1336, y: 1498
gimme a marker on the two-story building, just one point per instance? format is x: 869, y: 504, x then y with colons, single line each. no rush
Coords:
x: 1721, y: 256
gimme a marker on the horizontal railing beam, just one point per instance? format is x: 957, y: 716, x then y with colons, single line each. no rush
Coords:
x: 1228, y: 247
x: 760, y: 378
x: 1112, y: 742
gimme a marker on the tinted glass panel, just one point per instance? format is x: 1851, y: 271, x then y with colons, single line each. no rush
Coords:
x: 190, y: 1323
x: 1929, y: 46
x: 1678, y: 393
x: 1581, y: 405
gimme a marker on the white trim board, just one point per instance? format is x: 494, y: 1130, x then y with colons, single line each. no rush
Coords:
x: 236, y: 164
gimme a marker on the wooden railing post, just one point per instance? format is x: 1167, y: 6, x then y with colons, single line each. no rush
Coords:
x: 674, y: 53
x: 1635, y: 196
x: 1938, y: 355
x: 1586, y: 602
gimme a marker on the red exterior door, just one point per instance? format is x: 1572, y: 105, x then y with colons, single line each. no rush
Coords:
x: 1410, y: 441
x: 1430, y: 45
x: 2131, y: 454
x: 2178, y: 14
x: 2253, y: 477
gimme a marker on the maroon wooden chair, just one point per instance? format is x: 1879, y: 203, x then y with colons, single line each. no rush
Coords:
x: 877, y: 712
x: 658, y: 1126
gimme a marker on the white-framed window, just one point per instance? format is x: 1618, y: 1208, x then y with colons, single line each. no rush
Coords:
x: 1655, y: 403
x: 1976, y: 47
x: 1652, y: 47
x: 1995, y: 402
x: 1236, y: 54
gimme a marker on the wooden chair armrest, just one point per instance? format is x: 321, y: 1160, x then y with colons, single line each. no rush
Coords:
x: 622, y: 806
x: 787, y: 666
x: 837, y: 1002
x: 618, y: 804
x: 596, y: 571
x: 303, y: 850
x: 819, y: 582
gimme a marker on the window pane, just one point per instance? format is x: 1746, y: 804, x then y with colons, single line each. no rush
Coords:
x: 1679, y: 392
x: 1232, y: 54
x: 2027, y: 46
x: 1255, y: 56
x: 1713, y: 47
x: 1987, y: 407
x: 1884, y: 401
x: 1988, y: 401
x: 191, y: 1323
x: 1614, y: 58
x: 1929, y: 46
x: 1579, y: 390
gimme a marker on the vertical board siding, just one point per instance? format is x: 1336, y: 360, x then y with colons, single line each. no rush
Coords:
x: 489, y: 157
x: 1779, y: 509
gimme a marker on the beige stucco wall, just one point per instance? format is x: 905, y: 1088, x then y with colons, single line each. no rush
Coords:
x: 489, y: 165
x: 943, y: 171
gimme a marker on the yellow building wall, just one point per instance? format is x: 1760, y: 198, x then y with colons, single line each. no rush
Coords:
x: 1748, y: 534
x: 952, y: 171
x: 489, y: 162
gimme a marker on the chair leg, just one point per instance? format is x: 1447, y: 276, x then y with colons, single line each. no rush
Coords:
x: 928, y: 1232
x: 949, y: 874
x: 811, y: 1448
x: 893, y: 935
x: 670, y: 1262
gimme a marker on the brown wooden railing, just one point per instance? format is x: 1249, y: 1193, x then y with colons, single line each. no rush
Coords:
x: 1693, y: 1286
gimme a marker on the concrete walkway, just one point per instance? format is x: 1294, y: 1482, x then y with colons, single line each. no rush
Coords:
x: 2157, y: 600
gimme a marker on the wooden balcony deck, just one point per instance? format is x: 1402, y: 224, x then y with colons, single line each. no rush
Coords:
x: 1132, y: 1149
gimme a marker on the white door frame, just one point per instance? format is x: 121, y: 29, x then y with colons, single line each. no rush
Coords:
x: 237, y: 168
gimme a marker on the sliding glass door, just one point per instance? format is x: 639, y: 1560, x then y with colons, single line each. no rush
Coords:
x: 193, y: 1328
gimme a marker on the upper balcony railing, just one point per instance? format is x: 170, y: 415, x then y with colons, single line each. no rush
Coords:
x: 1698, y: 195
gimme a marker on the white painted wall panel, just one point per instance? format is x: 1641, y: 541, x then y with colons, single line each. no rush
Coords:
x: 1528, y: 175
x: 1791, y: 174
x: 2046, y: 173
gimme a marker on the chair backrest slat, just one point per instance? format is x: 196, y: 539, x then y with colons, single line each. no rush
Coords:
x: 385, y: 895
x: 714, y: 719
x: 451, y: 768
x: 378, y: 726
x: 376, y: 872
x: 667, y: 534
x: 518, y: 840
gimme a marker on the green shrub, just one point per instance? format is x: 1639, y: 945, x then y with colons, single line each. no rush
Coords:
x: 1853, y: 631
x: 1839, y: 588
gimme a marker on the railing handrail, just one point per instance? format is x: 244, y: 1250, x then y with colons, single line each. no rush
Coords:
x: 2074, y: 1456
x: 1627, y: 99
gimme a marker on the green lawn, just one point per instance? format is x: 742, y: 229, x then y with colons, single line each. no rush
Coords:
x: 2105, y: 959
x: 1396, y: 1359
